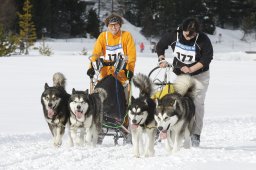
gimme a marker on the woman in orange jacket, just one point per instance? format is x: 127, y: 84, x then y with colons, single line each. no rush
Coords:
x: 112, y: 45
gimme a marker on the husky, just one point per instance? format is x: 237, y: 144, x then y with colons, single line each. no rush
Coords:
x: 55, y: 107
x: 85, y: 114
x: 175, y: 113
x: 141, y: 116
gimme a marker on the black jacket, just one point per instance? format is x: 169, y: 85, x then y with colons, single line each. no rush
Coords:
x: 204, y: 50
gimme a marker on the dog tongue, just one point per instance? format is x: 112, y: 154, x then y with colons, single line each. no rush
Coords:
x: 134, y: 126
x: 50, y: 113
x: 163, y: 135
x: 79, y: 114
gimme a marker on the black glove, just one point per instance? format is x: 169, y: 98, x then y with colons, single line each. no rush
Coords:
x: 129, y: 74
x: 90, y: 72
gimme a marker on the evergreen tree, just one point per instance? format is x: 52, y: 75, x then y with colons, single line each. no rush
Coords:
x: 248, y: 24
x: 93, y: 24
x: 8, y: 42
x: 7, y: 14
x: 77, y: 17
x: 41, y: 13
x: 27, y: 27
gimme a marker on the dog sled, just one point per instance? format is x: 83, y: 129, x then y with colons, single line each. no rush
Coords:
x: 115, y: 119
x: 162, y: 79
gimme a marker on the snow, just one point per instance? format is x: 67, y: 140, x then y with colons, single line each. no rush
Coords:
x: 228, y: 140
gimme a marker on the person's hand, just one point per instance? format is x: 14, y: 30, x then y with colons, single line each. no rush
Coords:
x: 91, y: 72
x: 186, y: 69
x: 129, y: 74
x: 162, y: 62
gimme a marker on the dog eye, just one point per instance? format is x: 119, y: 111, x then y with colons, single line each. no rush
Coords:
x: 166, y: 118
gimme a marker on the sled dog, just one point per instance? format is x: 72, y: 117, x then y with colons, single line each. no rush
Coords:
x: 175, y: 113
x: 85, y: 114
x: 141, y: 117
x: 55, y: 107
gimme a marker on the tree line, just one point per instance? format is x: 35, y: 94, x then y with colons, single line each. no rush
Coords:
x: 158, y: 16
x: 71, y: 18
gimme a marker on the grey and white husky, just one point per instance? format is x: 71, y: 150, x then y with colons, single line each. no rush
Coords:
x: 175, y: 113
x: 141, y: 116
x: 86, y: 115
x: 55, y: 107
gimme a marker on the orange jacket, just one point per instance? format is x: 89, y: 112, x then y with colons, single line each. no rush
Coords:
x: 129, y: 49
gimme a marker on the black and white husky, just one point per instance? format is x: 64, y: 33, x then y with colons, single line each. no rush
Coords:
x: 175, y: 113
x: 141, y: 116
x: 55, y: 107
x: 85, y: 114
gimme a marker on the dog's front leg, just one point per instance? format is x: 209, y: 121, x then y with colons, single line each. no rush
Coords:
x: 169, y: 141
x: 95, y: 135
x: 73, y: 135
x: 150, y: 142
x: 81, y: 138
x: 70, y: 140
x: 88, y: 137
x: 58, y: 137
x: 187, y: 142
x: 135, y: 142
x: 177, y: 142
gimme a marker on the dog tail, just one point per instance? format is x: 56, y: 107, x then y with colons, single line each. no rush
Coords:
x: 102, y: 93
x: 142, y: 82
x: 59, y: 80
x: 186, y: 85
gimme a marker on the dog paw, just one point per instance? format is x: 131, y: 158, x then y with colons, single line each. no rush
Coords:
x: 149, y: 154
x: 136, y: 156
x: 174, y: 151
x: 57, y: 145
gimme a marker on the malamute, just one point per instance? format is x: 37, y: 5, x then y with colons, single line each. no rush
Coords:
x: 141, y: 116
x: 85, y: 114
x: 55, y: 107
x: 175, y: 113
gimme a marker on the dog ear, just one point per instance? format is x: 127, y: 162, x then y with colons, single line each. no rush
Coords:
x: 46, y: 86
x: 73, y: 90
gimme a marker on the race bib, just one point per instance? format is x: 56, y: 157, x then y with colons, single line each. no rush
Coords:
x: 185, y: 53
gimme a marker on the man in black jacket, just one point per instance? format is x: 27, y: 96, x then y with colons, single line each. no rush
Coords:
x: 193, y: 52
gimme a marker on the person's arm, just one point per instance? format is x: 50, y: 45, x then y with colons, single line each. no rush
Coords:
x: 131, y: 53
x: 206, y: 52
x: 98, y: 49
x: 194, y: 68
x: 162, y: 45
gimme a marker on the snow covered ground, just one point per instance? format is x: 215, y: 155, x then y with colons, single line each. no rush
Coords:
x: 228, y: 140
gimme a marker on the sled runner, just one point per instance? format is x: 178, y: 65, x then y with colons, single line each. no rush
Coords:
x: 115, y: 119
